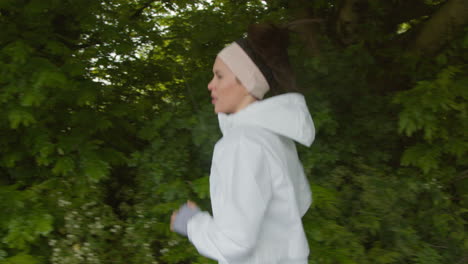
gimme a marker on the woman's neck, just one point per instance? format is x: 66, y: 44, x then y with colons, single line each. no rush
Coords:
x: 247, y: 100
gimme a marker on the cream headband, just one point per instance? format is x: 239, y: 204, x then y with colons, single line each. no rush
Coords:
x: 245, y: 69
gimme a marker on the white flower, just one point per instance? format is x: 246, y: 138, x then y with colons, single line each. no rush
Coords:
x: 173, y: 243
x: 63, y: 203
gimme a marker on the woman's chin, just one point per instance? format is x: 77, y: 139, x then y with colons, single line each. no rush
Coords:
x: 218, y: 108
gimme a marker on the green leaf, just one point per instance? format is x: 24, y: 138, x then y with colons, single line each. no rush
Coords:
x: 51, y: 78
x: 421, y: 156
x: 19, y: 117
x: 32, y: 97
x: 63, y: 166
x: 9, y: 159
x: 441, y: 59
x: 19, y: 51
x: 22, y: 258
x: 43, y: 225
x: 95, y: 169
x: 428, y: 255
x: 7, y: 3
x: 22, y: 231
x: 201, y: 187
x: 383, y: 256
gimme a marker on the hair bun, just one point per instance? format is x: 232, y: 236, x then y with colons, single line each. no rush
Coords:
x: 268, y: 40
x: 270, y: 43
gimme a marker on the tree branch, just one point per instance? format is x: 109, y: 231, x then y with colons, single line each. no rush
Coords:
x: 305, y: 25
x: 407, y: 10
x: 441, y: 27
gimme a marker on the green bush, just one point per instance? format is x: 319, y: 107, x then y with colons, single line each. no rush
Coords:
x: 106, y: 128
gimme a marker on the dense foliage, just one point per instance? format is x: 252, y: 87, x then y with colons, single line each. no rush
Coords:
x: 106, y: 126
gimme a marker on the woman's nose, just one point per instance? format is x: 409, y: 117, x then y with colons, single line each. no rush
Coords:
x: 211, y: 85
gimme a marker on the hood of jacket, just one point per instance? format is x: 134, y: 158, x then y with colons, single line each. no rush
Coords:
x: 285, y: 114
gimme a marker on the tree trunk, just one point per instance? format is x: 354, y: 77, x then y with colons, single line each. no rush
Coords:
x: 441, y: 27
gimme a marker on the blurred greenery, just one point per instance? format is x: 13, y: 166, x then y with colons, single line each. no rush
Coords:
x: 106, y: 127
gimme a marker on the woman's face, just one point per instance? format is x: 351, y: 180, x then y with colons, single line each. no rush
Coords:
x: 227, y: 94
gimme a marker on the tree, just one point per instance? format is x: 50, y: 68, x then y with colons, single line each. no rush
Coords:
x: 106, y: 125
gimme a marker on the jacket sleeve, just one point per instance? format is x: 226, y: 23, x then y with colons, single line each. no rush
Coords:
x: 240, y: 186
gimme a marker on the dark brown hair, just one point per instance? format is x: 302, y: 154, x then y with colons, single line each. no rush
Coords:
x: 270, y: 42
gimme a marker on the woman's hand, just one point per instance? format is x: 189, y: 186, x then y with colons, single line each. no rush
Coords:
x: 174, y: 215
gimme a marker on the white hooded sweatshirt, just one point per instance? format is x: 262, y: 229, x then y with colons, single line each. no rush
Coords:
x: 258, y: 189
